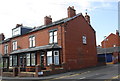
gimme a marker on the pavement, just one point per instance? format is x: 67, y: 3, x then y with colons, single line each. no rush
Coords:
x: 101, y: 73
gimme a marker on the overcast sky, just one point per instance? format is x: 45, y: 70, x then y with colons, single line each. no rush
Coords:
x: 103, y: 13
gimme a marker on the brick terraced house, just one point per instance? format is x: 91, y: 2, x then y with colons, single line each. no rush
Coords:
x: 70, y: 41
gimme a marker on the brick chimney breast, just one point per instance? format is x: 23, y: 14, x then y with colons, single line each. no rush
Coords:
x: 2, y: 37
x: 47, y: 20
x: 71, y: 11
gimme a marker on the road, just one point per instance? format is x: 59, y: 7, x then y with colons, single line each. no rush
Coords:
x: 102, y: 73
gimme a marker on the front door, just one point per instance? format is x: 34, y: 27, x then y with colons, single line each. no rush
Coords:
x: 42, y: 59
x: 5, y: 64
x: 23, y: 61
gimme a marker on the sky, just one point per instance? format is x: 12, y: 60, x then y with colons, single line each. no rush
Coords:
x: 31, y: 13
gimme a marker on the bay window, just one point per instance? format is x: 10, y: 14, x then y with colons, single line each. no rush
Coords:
x: 53, y: 57
x: 13, y: 60
x: 30, y: 59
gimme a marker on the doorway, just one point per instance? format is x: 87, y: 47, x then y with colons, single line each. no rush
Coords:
x: 42, y: 56
x: 22, y: 62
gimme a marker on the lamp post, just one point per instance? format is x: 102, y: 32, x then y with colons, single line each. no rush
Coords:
x: 105, y: 48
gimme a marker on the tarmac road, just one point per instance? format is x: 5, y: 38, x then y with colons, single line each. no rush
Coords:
x: 102, y: 73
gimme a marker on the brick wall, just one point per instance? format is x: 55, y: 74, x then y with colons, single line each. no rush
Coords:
x: 111, y: 40
x: 77, y: 55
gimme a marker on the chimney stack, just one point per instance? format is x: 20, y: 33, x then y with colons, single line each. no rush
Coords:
x: 71, y: 11
x: 47, y: 20
x: 87, y: 18
x: 2, y: 37
x: 18, y: 25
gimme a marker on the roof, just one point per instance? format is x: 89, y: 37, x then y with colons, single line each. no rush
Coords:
x: 46, y: 47
x: 64, y: 20
x: 108, y: 50
x: 55, y: 23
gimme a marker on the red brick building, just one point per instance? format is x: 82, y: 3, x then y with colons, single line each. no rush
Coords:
x: 110, y: 48
x: 113, y: 40
x: 70, y: 41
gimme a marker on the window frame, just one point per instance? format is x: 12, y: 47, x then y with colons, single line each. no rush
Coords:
x: 53, y: 57
x: 53, y: 36
x: 32, y: 42
x: 56, y: 56
x: 14, y: 45
x: 11, y: 60
x: 30, y: 59
x: 84, y: 39
x: 6, y: 49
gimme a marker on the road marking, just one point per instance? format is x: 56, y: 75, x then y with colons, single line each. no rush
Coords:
x: 68, y: 76
x: 83, y: 78
x: 116, y: 77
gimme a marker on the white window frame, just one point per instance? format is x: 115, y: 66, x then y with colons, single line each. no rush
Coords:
x: 53, y: 37
x: 33, y: 61
x: 28, y: 59
x: 84, y: 39
x: 14, y: 45
x: 56, y: 58
x: 6, y: 49
x: 32, y: 41
x: 16, y: 31
x: 49, y: 57
x: 10, y: 61
x: 14, y: 57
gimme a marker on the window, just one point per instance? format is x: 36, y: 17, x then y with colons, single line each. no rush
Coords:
x: 32, y: 41
x: 53, y: 37
x: 16, y: 31
x: 14, y: 44
x: 14, y: 60
x: 84, y: 40
x: 10, y: 60
x: 56, y: 57
x: 33, y: 59
x: 49, y: 57
x: 28, y: 59
x: 6, y: 49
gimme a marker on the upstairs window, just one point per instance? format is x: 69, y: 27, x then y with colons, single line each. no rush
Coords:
x: 53, y: 37
x: 16, y: 31
x: 84, y: 40
x: 32, y: 41
x: 14, y: 45
x: 6, y: 49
